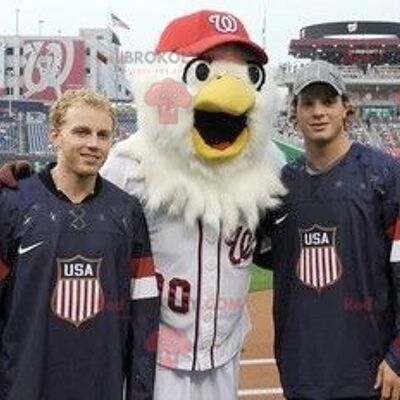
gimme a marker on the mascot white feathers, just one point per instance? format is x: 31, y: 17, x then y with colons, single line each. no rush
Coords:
x: 204, y: 167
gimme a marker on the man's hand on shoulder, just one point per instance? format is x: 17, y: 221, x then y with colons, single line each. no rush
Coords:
x: 11, y: 173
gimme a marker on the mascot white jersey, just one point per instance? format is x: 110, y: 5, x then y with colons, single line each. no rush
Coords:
x: 204, y: 167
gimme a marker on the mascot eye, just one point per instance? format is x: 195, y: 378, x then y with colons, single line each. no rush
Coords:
x: 202, y: 71
x: 198, y: 70
x: 256, y: 75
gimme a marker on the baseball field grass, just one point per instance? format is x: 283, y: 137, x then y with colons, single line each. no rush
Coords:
x: 261, y: 279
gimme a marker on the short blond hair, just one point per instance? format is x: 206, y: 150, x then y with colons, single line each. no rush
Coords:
x: 78, y: 96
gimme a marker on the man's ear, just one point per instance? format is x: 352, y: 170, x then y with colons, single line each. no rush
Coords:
x: 53, y: 134
x: 345, y: 112
x: 349, y: 112
x: 349, y: 107
x: 54, y: 137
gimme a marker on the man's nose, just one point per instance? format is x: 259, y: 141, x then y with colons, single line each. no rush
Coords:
x: 318, y: 110
x: 93, y: 141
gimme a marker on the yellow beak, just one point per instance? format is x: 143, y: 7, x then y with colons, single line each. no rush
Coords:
x: 230, y: 95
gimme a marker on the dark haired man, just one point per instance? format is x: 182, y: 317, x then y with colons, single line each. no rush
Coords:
x: 336, y: 287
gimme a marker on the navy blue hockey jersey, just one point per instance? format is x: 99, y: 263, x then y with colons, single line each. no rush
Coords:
x: 335, y: 289
x: 78, y: 296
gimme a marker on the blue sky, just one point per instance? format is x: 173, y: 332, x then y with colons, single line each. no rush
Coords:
x: 147, y: 17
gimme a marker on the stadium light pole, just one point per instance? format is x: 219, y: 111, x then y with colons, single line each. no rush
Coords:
x: 264, y: 27
x: 11, y: 76
x: 17, y: 22
x: 17, y: 80
x: 40, y: 26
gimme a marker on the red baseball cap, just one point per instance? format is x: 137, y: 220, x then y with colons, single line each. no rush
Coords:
x: 196, y: 33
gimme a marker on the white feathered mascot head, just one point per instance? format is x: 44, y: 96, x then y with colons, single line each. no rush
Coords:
x: 204, y: 147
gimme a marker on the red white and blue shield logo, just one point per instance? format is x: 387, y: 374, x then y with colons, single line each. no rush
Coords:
x: 78, y: 295
x: 319, y: 265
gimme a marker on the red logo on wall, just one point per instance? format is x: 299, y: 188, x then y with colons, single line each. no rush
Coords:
x: 52, y: 66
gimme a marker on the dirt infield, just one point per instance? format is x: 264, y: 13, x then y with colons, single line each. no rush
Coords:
x: 258, y: 374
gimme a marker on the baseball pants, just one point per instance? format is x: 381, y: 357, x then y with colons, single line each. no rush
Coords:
x: 220, y: 383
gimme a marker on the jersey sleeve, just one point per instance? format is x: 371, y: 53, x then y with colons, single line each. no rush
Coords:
x: 391, y: 219
x: 262, y: 255
x: 144, y: 318
x: 7, y: 245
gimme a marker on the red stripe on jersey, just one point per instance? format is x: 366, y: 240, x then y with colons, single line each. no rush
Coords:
x: 393, y: 232
x: 142, y: 267
x: 4, y: 270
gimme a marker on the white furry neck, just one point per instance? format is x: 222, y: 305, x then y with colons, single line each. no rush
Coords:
x: 235, y: 195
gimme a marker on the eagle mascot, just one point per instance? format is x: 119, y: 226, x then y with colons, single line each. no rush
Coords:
x: 204, y: 168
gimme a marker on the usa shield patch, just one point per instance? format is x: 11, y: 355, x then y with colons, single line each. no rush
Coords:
x: 319, y: 265
x: 78, y: 295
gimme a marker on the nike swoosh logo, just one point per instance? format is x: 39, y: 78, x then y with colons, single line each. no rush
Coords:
x: 280, y: 220
x: 23, y: 250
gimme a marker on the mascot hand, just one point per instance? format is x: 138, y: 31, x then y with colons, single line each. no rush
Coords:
x: 11, y: 173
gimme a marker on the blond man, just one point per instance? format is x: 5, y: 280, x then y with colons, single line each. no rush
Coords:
x: 78, y: 296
